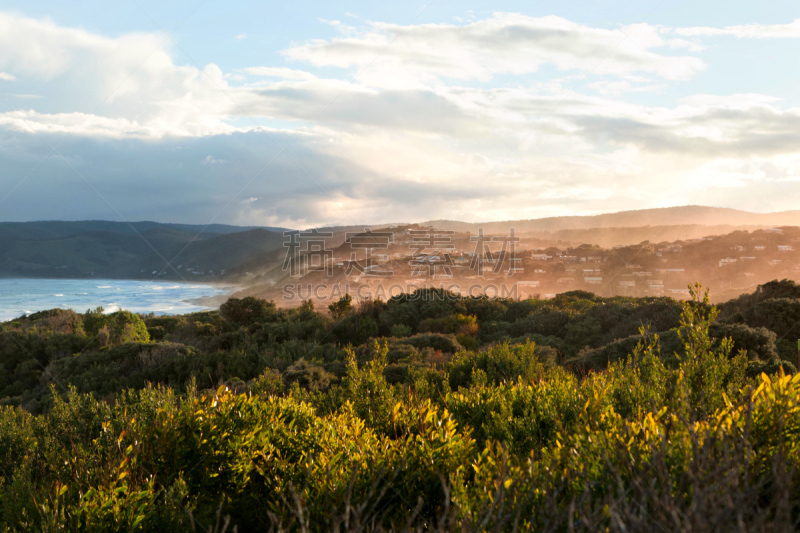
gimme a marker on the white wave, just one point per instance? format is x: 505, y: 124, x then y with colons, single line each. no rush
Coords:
x: 59, y: 295
x: 104, y: 286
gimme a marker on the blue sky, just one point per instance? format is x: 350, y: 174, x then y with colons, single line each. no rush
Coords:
x: 308, y: 113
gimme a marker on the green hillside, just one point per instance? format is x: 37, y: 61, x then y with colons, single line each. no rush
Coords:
x: 140, y: 250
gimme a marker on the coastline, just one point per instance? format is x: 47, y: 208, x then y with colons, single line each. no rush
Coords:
x: 216, y: 300
x: 23, y: 296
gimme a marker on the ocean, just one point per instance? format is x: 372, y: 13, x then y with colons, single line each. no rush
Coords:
x: 25, y: 296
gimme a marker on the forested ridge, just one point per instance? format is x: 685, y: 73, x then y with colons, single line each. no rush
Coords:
x: 430, y: 411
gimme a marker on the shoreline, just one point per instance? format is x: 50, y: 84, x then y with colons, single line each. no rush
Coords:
x: 23, y: 296
x: 216, y: 300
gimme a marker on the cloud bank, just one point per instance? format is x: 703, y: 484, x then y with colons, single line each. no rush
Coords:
x: 506, y: 117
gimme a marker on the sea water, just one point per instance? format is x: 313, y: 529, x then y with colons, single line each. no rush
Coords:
x: 26, y: 296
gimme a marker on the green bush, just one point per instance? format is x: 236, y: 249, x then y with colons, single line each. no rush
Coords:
x: 283, y: 420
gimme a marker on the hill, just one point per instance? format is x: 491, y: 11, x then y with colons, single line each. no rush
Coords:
x: 219, y: 252
x: 100, y: 249
x: 667, y: 216
x: 53, y: 229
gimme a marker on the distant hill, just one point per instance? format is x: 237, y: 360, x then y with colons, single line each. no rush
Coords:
x: 219, y: 252
x: 53, y: 229
x: 141, y: 250
x: 667, y: 216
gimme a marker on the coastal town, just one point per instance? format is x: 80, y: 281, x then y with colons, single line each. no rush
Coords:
x: 383, y: 262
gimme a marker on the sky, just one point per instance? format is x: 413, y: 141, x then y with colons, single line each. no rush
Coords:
x: 302, y: 114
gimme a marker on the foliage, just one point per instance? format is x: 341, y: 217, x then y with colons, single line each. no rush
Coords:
x: 341, y: 307
x: 272, y: 421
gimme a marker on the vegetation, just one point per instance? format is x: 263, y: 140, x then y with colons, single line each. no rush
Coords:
x: 426, y: 412
x: 121, y: 250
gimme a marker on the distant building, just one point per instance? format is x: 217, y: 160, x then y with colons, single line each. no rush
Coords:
x: 727, y: 261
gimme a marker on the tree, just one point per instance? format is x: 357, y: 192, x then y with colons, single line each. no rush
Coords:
x: 122, y: 327
x: 342, y: 307
x: 247, y: 311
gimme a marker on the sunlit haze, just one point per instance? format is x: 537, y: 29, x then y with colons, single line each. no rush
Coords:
x: 309, y: 113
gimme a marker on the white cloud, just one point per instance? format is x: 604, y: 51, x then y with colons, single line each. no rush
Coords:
x: 504, y: 43
x: 240, y: 36
x: 404, y: 141
x: 619, y: 87
x: 141, y: 89
x: 280, y: 72
x: 7, y: 77
x: 751, y: 31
